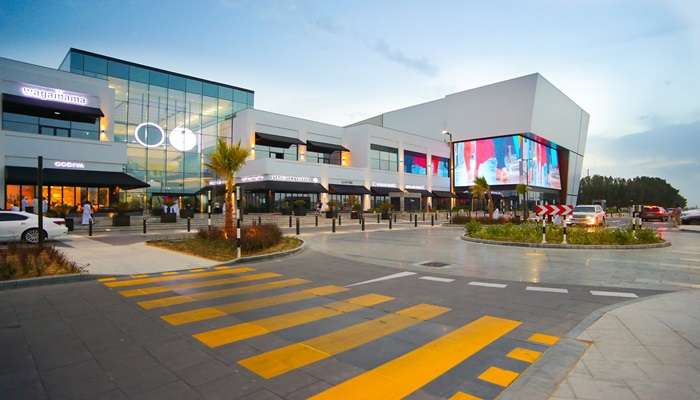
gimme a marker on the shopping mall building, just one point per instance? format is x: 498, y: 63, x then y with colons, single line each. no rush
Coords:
x: 112, y: 130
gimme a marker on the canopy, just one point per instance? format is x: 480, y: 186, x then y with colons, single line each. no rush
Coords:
x: 442, y: 193
x: 267, y: 139
x: 320, y: 147
x: 277, y: 186
x: 347, y: 189
x: 383, y: 191
x: 49, y: 109
x: 72, y: 177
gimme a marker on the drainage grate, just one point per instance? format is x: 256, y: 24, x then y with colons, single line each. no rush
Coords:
x: 434, y: 264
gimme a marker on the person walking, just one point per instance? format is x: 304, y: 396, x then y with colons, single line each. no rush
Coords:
x: 87, y: 213
x: 24, y: 204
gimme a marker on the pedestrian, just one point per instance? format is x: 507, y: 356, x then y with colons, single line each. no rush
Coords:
x: 677, y: 216
x: 24, y: 204
x: 44, y: 205
x: 87, y: 213
x: 175, y: 208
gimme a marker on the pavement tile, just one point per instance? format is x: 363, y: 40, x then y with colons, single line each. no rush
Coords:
x: 308, y: 391
x: 59, y: 353
x: 172, y: 391
x: 84, y: 380
x: 615, y: 371
x: 137, y: 374
x: 261, y: 395
x: 178, y: 354
x: 333, y: 371
x: 203, y: 372
x: 593, y: 389
x: 33, y: 390
x: 289, y: 382
x: 646, y: 390
x: 236, y: 384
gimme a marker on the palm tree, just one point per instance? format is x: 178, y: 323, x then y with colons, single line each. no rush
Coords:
x: 481, y: 188
x: 521, y: 189
x: 226, y: 161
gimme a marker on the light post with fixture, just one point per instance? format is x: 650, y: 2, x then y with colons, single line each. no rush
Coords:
x: 452, y: 167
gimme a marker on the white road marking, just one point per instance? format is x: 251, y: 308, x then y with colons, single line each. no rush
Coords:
x: 546, y: 289
x: 383, y: 278
x: 613, y: 294
x: 437, y: 279
x: 486, y: 284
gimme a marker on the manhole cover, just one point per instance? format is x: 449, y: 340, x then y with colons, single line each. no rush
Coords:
x: 434, y: 264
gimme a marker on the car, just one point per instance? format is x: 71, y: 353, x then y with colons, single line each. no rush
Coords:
x: 650, y: 213
x: 24, y: 226
x: 587, y: 214
x: 690, y: 217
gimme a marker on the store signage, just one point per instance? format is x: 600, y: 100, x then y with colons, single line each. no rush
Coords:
x: 69, y: 164
x: 415, y: 187
x: 385, y: 185
x: 279, y: 178
x: 51, y: 94
x: 150, y: 134
x: 256, y: 178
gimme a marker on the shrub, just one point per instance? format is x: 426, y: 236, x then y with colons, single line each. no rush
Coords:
x: 465, y: 219
x: 214, y: 234
x: 259, y: 237
x: 473, y: 227
x: 21, y: 261
x: 532, y: 233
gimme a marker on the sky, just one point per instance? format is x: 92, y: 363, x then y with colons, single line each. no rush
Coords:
x: 632, y: 65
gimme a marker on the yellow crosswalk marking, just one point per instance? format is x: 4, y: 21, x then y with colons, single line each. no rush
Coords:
x: 247, y: 330
x: 526, y: 355
x: 204, y: 313
x: 404, y: 375
x: 198, y: 270
x: 215, y: 294
x: 144, y: 279
x: 541, y: 338
x: 107, y: 279
x: 139, y: 276
x: 288, y: 358
x: 169, y: 273
x: 499, y: 376
x: 195, y: 285
x: 463, y: 396
x: 218, y: 268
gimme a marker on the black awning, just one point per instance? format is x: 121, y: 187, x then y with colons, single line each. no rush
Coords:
x: 383, y: 191
x: 442, y: 193
x: 213, y: 188
x: 49, y: 109
x: 423, y: 192
x: 72, y: 177
x: 347, y: 189
x: 276, y: 186
x: 320, y: 147
x: 267, y: 139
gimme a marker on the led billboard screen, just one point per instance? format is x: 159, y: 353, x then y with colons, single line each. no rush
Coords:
x: 500, y: 161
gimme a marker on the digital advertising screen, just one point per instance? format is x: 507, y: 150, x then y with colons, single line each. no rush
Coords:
x: 500, y: 161
x: 415, y: 163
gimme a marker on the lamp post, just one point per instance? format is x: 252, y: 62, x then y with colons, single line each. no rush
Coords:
x: 452, y: 172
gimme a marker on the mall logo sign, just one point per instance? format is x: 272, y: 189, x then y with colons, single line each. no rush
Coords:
x: 149, y: 134
x: 54, y: 95
x: 69, y: 164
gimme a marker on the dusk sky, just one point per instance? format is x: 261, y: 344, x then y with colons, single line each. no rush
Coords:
x: 633, y: 65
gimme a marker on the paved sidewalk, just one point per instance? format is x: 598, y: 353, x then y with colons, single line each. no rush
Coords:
x: 129, y: 255
x: 645, y: 350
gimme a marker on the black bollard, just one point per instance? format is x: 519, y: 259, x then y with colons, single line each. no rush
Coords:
x: 297, y: 225
x: 333, y: 225
x: 423, y: 217
x: 394, y: 218
x: 378, y: 216
x: 316, y: 219
x: 432, y: 220
x: 340, y: 220
x: 259, y: 220
x: 144, y: 225
x: 415, y: 221
x: 89, y: 226
x: 290, y: 221
x: 390, y: 222
x: 189, y: 224
x: 362, y: 221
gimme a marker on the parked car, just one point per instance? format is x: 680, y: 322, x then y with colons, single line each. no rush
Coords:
x: 24, y: 226
x: 690, y: 217
x: 657, y: 213
x: 589, y: 215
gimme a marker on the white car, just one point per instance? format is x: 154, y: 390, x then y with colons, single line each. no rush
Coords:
x: 24, y: 226
x: 589, y: 215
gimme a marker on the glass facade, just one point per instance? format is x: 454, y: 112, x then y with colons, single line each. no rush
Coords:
x: 415, y: 163
x: 170, y: 122
x: 441, y: 166
x: 50, y: 126
x: 282, y: 153
x: 384, y: 158
x: 334, y: 158
x: 73, y: 196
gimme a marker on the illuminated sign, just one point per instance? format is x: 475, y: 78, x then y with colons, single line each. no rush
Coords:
x: 384, y: 185
x: 149, y: 134
x: 69, y: 164
x: 256, y: 178
x: 58, y: 95
x: 415, y: 187
x: 279, y: 178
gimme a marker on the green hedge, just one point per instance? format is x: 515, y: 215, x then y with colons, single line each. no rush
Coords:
x: 532, y: 233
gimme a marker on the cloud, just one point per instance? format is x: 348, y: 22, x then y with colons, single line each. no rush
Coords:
x: 419, y: 64
x: 668, y: 151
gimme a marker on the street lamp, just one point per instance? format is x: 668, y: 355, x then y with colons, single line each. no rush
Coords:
x: 452, y: 172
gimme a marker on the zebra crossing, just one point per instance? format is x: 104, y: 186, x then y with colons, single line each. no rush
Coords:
x: 474, y: 359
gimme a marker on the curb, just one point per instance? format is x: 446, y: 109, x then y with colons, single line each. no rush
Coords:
x: 47, y: 280
x: 541, y: 380
x: 569, y: 246
x: 263, y: 257
x: 689, y: 230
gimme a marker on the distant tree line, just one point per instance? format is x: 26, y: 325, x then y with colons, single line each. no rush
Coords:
x: 622, y: 192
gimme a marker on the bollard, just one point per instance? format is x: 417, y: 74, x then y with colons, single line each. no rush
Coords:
x: 297, y: 225
x: 316, y: 220
x: 144, y: 225
x: 259, y: 220
x: 432, y: 220
x: 394, y: 218
x: 415, y: 221
x: 390, y: 222
x: 290, y: 221
x: 378, y: 216
x: 340, y: 220
x: 564, y: 241
x: 208, y: 218
x: 544, y: 231
x: 333, y: 225
x: 90, y: 227
x: 424, y: 217
x: 189, y: 224
x: 363, y: 224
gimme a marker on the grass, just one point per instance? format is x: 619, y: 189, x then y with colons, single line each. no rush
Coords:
x: 29, y: 261
x: 532, y: 233
x: 220, y: 250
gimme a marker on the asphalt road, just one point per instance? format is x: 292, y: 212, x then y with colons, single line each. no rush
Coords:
x: 307, y: 326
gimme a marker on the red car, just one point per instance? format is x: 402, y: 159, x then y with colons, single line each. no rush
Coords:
x: 654, y: 213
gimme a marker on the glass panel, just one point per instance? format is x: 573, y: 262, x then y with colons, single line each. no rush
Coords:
x: 194, y: 86
x: 56, y: 196
x: 92, y: 197
x: 240, y: 96
x: 103, y: 197
x: 27, y: 119
x: 225, y: 93
x: 95, y: 66
x: 69, y: 196
x: 136, y: 157
x: 250, y: 99
x: 62, y: 132
x: 210, y: 90
x: 158, y: 106
x: 138, y: 74
x: 177, y: 82
x: 156, y: 160
x: 120, y: 132
x: 28, y: 194
x: 46, y: 130
x: 54, y: 122
x: 415, y: 163
x: 209, y: 115
x: 82, y: 195
x: 117, y: 69
x: 76, y: 62
x: 13, y: 196
x: 156, y: 78
x: 138, y: 105
x: 19, y: 127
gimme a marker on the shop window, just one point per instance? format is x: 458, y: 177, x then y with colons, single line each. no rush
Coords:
x: 13, y: 196
x: 441, y: 166
x: 384, y: 158
x: 415, y: 163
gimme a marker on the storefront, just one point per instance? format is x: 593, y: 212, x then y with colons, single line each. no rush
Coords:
x: 442, y: 199
x: 278, y: 193
x: 346, y: 196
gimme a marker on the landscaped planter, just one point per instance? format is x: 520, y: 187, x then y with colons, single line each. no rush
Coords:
x: 121, y: 220
x: 168, y: 218
x: 386, y: 215
x: 286, y: 211
x: 300, y: 212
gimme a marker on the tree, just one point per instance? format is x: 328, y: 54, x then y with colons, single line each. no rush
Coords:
x: 226, y: 161
x: 522, y: 189
x: 481, y: 188
x: 621, y: 192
